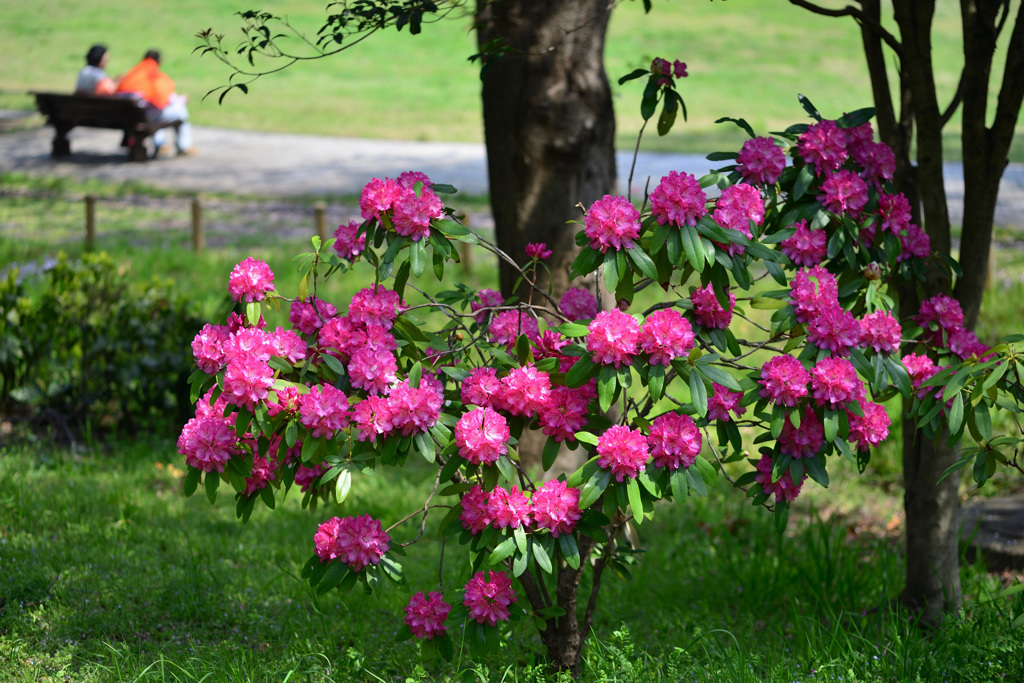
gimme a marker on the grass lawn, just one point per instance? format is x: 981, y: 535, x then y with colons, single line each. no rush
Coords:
x: 747, y: 58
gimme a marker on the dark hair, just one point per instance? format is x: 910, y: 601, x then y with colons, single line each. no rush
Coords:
x: 152, y: 54
x: 95, y: 55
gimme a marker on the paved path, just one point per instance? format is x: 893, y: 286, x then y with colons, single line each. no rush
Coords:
x: 282, y: 165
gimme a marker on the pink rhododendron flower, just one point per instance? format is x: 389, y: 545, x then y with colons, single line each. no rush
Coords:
x: 921, y: 369
x: 915, y: 244
x: 247, y: 380
x: 475, y: 515
x: 880, y: 331
x: 425, y: 615
x: 323, y: 411
x: 893, y: 212
x: 578, y: 304
x: 508, y: 508
x: 413, y: 213
x: 665, y: 335
x: 556, y: 507
x: 337, y: 335
x: 378, y: 197
x: 372, y: 370
x: 611, y: 222
x: 207, y: 442
x: 723, y: 401
x: 207, y: 348
x: 408, y: 179
x: 414, y: 410
x: 622, y: 450
x: 488, y: 600
x: 486, y: 298
x: 288, y: 345
x: 834, y: 329
x: 784, y: 380
x: 566, y: 411
x: 855, y: 137
x: 283, y: 398
x: 538, y: 251
x: 356, y: 541
x: 783, y: 489
x: 844, y: 192
x: 249, y: 341
x: 678, y: 200
x: 264, y: 470
x: 306, y: 476
x: 679, y: 69
x: 250, y: 280
x: 373, y: 337
x: 877, y: 161
x: 834, y: 382
x: 708, y: 311
x: 871, y: 429
x: 613, y: 337
x: 525, y: 391
x: 661, y: 67
x: 675, y: 441
x: 375, y: 306
x: 306, y: 318
x: 806, y: 247
x: 964, y: 343
x: 946, y: 314
x: 508, y: 325
x: 482, y: 436
x: 823, y: 146
x: 372, y: 417
x: 761, y: 161
x: 346, y: 244
x: 803, y: 441
x: 813, y: 290
x: 735, y: 208
x: 481, y: 388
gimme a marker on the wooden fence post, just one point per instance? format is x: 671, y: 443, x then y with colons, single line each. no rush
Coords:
x: 90, y: 222
x: 198, y: 238
x: 320, y: 211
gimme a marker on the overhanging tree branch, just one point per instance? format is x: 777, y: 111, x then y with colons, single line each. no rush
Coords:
x: 857, y: 14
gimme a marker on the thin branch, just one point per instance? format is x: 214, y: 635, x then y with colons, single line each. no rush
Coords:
x: 954, y: 104
x: 858, y: 15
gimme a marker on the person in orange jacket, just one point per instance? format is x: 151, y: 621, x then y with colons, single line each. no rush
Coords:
x: 145, y: 80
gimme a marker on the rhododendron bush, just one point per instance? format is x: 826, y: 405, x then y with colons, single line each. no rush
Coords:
x: 768, y: 340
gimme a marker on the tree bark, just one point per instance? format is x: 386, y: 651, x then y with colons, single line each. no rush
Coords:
x: 549, y: 125
x: 985, y: 148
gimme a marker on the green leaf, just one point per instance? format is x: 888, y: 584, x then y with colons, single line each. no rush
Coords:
x: 191, y: 482
x: 718, y: 376
x: 570, y: 550
x: 692, y: 247
x: 503, y: 551
x: 831, y: 425
x: 677, y: 480
x: 707, y: 471
x: 551, y: 448
x: 593, y: 489
x: 573, y: 330
x: 656, y: 381
x: 816, y: 470
x: 212, y: 482
x: 507, y: 469
x: 643, y: 262
x: 739, y: 122
x: 336, y: 571
x: 607, y: 383
x: 803, y: 182
x: 781, y: 516
x: 632, y: 75
x: 696, y: 482
x: 343, y: 484
x: 418, y: 258
x: 585, y: 263
x: 611, y: 270
x: 425, y: 446
x: 956, y: 415
x: 698, y: 394
x: 303, y: 293
x: 768, y: 303
x: 252, y: 313
x: 635, y: 502
x: 541, y: 557
x: 668, y: 116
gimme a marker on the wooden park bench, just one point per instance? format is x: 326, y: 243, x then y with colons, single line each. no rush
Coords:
x: 127, y: 114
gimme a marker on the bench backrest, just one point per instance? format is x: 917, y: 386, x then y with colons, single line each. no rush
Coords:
x: 89, y: 110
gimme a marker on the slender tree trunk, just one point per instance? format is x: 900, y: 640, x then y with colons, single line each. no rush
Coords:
x: 548, y: 123
x: 932, y: 506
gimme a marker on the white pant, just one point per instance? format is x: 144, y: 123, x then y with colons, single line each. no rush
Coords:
x: 174, y: 111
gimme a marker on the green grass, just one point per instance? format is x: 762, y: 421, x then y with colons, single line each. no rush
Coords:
x: 112, y: 575
x: 747, y: 58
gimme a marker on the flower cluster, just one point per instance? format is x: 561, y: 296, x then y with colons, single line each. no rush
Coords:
x: 488, y: 598
x: 678, y: 200
x: 409, y: 201
x: 425, y: 615
x: 553, y: 506
x: 612, y: 223
x: 356, y: 541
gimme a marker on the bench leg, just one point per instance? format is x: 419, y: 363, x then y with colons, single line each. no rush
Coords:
x: 137, y: 151
x: 61, y: 144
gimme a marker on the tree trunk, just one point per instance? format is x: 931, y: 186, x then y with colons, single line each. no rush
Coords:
x: 548, y: 124
x: 931, y: 506
x: 985, y: 148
